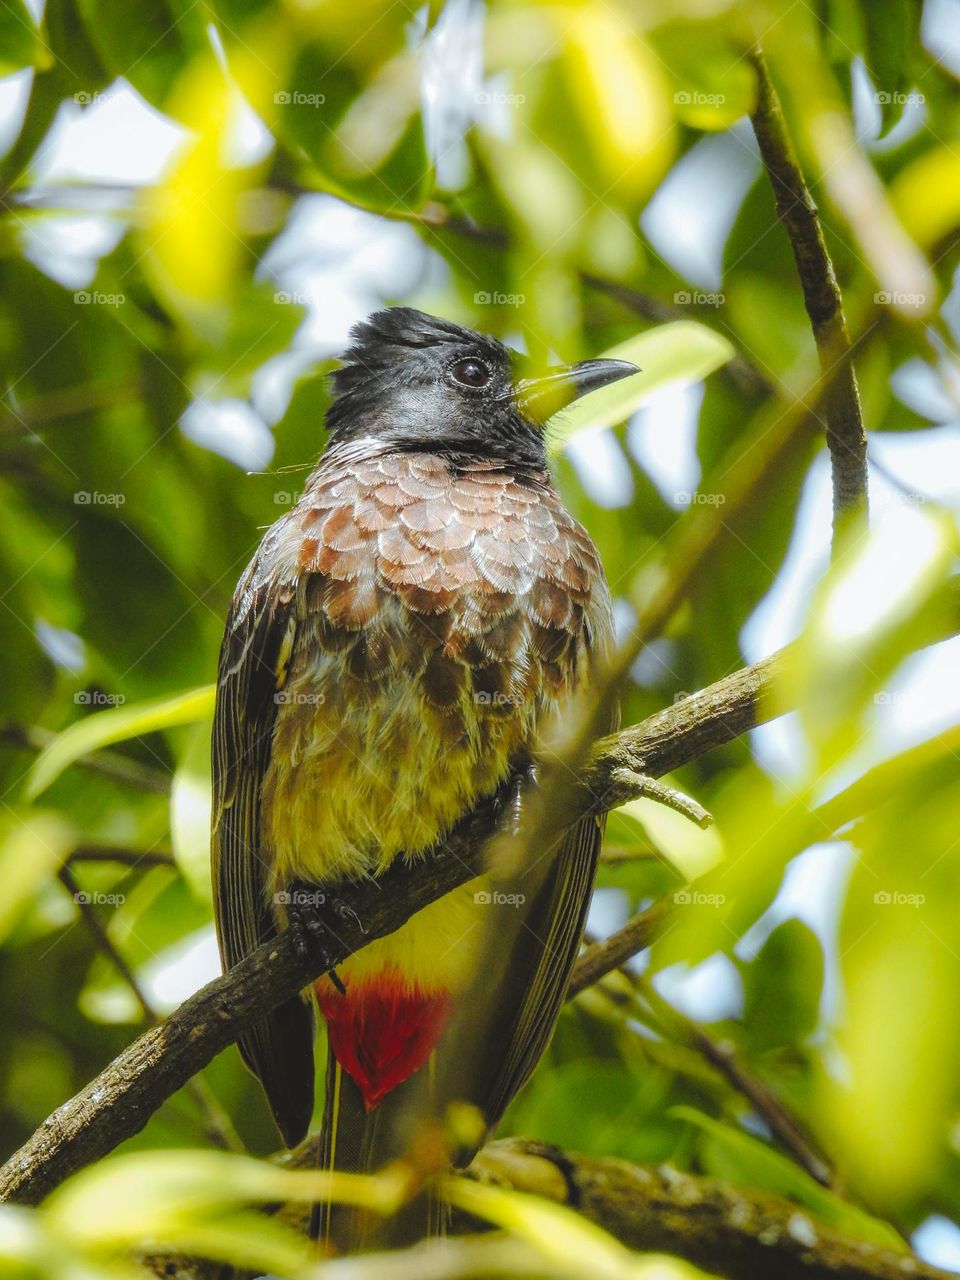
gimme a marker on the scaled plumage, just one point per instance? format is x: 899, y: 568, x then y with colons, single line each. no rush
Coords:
x: 397, y: 644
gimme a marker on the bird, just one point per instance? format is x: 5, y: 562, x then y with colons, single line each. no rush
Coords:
x: 401, y: 637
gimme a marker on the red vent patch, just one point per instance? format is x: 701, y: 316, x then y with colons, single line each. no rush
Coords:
x: 382, y: 1030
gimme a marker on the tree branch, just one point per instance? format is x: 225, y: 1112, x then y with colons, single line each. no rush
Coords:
x: 118, y: 1103
x: 730, y: 1231
x: 722, y: 1056
x: 736, y: 1232
x: 220, y: 1130
x: 132, y: 859
x: 846, y: 438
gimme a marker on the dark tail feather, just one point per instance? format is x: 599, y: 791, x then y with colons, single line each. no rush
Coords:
x: 279, y: 1051
x: 353, y: 1140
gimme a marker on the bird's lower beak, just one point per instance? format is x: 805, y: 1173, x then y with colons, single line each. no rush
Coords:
x: 542, y: 397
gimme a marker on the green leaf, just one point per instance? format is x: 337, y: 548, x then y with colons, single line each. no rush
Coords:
x: 190, y: 806
x: 148, y: 42
x: 692, y: 850
x: 20, y: 44
x: 782, y: 987
x: 556, y: 1231
x: 683, y: 351
x: 737, y: 1157
x: 117, y: 724
x: 926, y: 194
x: 891, y: 28
x: 713, y: 85
x: 888, y: 1112
x: 159, y: 1194
x: 863, y: 623
x: 31, y: 851
x: 598, y: 1107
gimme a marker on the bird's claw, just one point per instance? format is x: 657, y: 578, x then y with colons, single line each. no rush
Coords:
x: 305, y: 924
x: 343, y: 911
x: 306, y: 905
x: 522, y: 779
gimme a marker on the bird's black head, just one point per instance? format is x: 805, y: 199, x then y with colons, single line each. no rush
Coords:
x: 411, y: 381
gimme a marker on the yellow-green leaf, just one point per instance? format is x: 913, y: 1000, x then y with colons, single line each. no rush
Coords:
x: 691, y: 849
x: 562, y: 1236
x: 759, y: 1165
x: 190, y: 805
x: 117, y: 724
x: 32, y: 850
x: 683, y: 351
x: 926, y: 194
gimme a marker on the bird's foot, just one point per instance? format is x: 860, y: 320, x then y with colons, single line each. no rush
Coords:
x: 515, y: 798
x: 309, y: 910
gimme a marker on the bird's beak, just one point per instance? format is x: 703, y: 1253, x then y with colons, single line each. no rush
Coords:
x: 544, y: 396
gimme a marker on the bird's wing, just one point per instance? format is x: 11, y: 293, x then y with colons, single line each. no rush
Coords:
x: 503, y: 1025
x: 537, y: 963
x: 259, y: 635
x: 535, y: 942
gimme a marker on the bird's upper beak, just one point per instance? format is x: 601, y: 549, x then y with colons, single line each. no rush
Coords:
x: 544, y: 396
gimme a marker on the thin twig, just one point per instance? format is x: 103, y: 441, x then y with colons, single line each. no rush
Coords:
x: 798, y: 212
x: 220, y: 1130
x: 59, y: 406
x: 600, y: 958
x: 617, y: 854
x: 109, y: 764
x: 135, y: 859
x: 671, y: 797
x: 721, y: 1055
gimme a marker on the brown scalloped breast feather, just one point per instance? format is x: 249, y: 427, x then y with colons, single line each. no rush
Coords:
x: 443, y: 613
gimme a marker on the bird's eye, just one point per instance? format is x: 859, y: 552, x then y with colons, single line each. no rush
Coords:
x: 471, y: 373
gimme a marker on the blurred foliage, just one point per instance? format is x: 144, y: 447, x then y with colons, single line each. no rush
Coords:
x: 519, y: 148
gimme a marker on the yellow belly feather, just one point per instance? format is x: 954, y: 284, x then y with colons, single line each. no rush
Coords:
x: 355, y: 782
